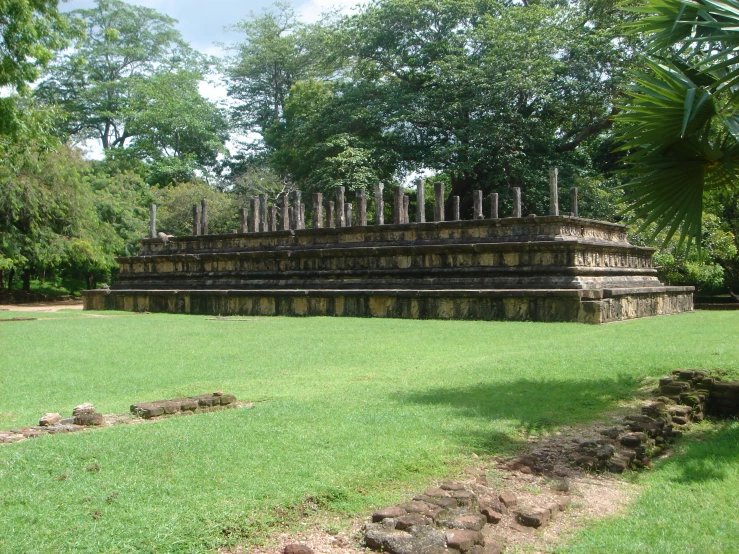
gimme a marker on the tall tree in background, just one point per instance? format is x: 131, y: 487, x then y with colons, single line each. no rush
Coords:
x: 278, y: 51
x: 487, y: 93
x: 132, y: 83
x: 680, y: 127
x: 30, y: 33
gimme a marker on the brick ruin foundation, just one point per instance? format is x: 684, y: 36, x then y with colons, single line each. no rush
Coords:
x: 547, y: 268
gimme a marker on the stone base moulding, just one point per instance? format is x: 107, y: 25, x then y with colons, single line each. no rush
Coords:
x: 556, y: 305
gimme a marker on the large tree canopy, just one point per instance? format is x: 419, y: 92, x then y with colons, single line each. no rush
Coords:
x: 488, y: 93
x: 132, y: 82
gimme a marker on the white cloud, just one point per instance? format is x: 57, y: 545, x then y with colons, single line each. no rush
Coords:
x: 312, y: 10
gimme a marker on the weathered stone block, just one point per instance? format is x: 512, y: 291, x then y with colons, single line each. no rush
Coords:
x: 508, y: 499
x: 85, y: 408
x: 147, y: 410
x: 88, y: 419
x: 227, y: 399
x: 632, y: 440
x: 297, y: 549
x: 50, y: 419
x: 533, y: 517
x: 463, y: 540
x: 491, y: 514
x: 409, y: 520
x: 391, y: 512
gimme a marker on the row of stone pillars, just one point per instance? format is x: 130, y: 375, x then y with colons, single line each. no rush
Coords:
x: 339, y: 212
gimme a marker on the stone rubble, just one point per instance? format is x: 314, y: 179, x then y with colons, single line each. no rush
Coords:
x: 452, y: 517
x: 85, y: 415
x: 682, y: 398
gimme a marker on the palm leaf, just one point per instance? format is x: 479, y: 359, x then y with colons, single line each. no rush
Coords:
x: 669, y: 130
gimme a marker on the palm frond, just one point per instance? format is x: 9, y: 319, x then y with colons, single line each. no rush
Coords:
x: 677, y: 145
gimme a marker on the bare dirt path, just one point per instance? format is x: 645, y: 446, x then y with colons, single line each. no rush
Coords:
x: 43, y: 306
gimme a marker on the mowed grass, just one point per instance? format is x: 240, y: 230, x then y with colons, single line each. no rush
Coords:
x: 689, y: 504
x: 348, y: 414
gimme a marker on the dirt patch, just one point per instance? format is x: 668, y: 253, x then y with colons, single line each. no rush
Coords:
x: 591, y: 497
x: 43, y: 306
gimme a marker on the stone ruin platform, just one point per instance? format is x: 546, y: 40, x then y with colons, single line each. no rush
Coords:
x: 549, y: 268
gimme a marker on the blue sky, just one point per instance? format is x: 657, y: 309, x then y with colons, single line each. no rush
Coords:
x: 202, y: 22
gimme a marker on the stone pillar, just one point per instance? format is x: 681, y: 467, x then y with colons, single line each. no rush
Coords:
x: 573, y: 201
x: 362, y: 208
x: 295, y: 218
x: 406, y: 204
x: 285, y: 213
x: 477, y: 198
x: 152, y: 221
x: 317, y: 210
x: 455, y: 208
x: 553, y: 191
x: 340, y: 207
x: 398, y: 206
x: 379, y: 205
x: 263, y: 213
x: 302, y: 216
x: 204, y: 217
x: 439, y: 202
x: 420, y: 201
x: 254, y: 227
x: 291, y: 217
x: 494, y: 205
x: 330, y: 215
x: 196, y: 219
x: 516, y: 202
x: 243, y: 225
x: 273, y: 218
x: 347, y: 215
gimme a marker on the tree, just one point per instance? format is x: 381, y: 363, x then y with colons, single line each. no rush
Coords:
x: 174, y: 129
x: 680, y: 125
x: 30, y: 32
x: 132, y: 83
x: 278, y: 51
x: 490, y: 93
x: 174, y: 208
x: 48, y: 217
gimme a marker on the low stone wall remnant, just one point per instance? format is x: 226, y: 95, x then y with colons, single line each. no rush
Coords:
x: 85, y: 416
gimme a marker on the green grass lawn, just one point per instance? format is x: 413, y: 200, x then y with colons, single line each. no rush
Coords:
x: 349, y: 413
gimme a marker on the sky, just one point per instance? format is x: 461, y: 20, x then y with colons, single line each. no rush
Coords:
x: 202, y: 23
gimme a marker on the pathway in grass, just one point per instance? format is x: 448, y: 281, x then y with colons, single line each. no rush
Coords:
x: 351, y: 412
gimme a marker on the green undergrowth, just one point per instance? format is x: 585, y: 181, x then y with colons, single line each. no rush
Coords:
x: 348, y: 414
x: 688, y: 502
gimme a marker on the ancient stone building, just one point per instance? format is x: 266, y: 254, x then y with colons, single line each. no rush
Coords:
x: 547, y: 268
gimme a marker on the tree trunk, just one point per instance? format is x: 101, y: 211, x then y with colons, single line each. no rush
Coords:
x: 27, y: 279
x: 11, y: 277
x: 462, y: 185
x: 2, y: 279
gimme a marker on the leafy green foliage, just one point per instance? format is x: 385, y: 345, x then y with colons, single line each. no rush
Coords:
x: 679, y: 127
x: 48, y: 218
x: 174, y: 129
x: 174, y: 208
x: 490, y: 93
x: 30, y: 32
x: 132, y: 82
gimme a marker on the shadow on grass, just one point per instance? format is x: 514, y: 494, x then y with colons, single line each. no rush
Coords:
x: 529, y: 406
x: 707, y: 456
